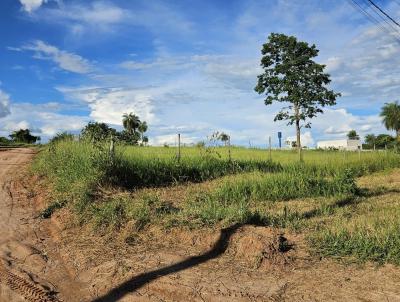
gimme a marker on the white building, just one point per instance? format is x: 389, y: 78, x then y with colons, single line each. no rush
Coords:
x: 341, y: 144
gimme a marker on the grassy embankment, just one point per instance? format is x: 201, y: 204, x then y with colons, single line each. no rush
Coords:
x: 320, y: 197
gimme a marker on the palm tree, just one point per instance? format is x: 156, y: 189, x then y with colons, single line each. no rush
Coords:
x: 142, y: 129
x: 130, y: 122
x: 391, y: 117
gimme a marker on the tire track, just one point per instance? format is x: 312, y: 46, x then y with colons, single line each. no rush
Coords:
x: 26, y: 289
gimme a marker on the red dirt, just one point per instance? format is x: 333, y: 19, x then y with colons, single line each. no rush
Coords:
x: 240, y: 263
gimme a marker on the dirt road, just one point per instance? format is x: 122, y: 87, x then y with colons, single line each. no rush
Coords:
x: 29, y: 265
x: 52, y: 260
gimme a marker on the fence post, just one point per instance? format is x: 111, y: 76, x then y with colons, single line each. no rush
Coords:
x: 270, y: 149
x: 179, y: 147
x: 359, y: 153
x: 229, y: 148
x: 112, y: 149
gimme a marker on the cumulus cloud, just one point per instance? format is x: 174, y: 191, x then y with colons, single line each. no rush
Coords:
x: 4, y: 104
x: 336, y: 123
x: 306, y: 139
x: 42, y: 119
x: 65, y: 60
x: 109, y: 104
x: 31, y: 5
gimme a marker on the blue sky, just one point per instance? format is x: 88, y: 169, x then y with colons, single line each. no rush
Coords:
x: 184, y: 66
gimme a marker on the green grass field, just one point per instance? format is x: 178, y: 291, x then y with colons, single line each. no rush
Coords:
x: 205, y: 188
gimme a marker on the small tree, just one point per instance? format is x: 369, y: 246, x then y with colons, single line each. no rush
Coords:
x: 391, y: 117
x: 224, y: 137
x: 62, y: 136
x: 291, y: 76
x: 353, y: 135
x: 97, y: 132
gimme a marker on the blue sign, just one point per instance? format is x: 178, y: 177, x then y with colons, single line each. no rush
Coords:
x: 280, y: 137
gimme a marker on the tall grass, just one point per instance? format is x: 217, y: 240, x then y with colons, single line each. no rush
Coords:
x: 251, y: 188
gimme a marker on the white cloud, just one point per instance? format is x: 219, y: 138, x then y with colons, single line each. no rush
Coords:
x: 106, y: 17
x: 14, y: 125
x: 336, y: 123
x: 109, y: 104
x: 4, y: 104
x: 306, y: 139
x: 42, y: 119
x: 65, y: 60
x: 31, y: 5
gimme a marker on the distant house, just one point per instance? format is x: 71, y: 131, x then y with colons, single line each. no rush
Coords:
x: 341, y: 144
x: 290, y: 143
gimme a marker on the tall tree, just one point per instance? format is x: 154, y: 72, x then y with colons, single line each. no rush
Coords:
x: 353, y: 135
x: 391, y: 117
x: 130, y: 122
x: 291, y: 76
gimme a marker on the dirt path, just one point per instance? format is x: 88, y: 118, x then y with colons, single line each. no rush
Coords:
x: 239, y: 263
x: 29, y: 264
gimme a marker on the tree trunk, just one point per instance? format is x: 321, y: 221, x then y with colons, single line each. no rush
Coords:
x: 298, y: 142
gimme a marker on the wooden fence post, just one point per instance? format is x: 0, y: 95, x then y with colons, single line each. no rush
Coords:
x: 229, y: 148
x: 179, y: 147
x: 270, y: 149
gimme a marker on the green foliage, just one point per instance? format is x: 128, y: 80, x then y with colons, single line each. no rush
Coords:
x: 381, y: 141
x: 24, y: 136
x: 131, y: 122
x: 4, y: 141
x: 95, y: 132
x: 291, y: 76
x: 132, y: 170
x: 62, y: 136
x: 374, y: 236
x: 224, y: 137
x: 128, y: 138
x: 353, y: 135
x: 391, y: 117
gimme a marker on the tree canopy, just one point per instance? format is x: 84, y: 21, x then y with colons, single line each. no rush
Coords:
x: 96, y: 132
x: 391, y: 117
x: 353, y: 135
x: 133, y: 132
x: 380, y: 141
x: 130, y: 122
x: 291, y: 76
x: 24, y: 136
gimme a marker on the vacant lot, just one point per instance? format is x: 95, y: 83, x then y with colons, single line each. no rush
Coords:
x: 251, y: 230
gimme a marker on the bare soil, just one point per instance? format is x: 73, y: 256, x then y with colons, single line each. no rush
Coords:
x: 56, y: 260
